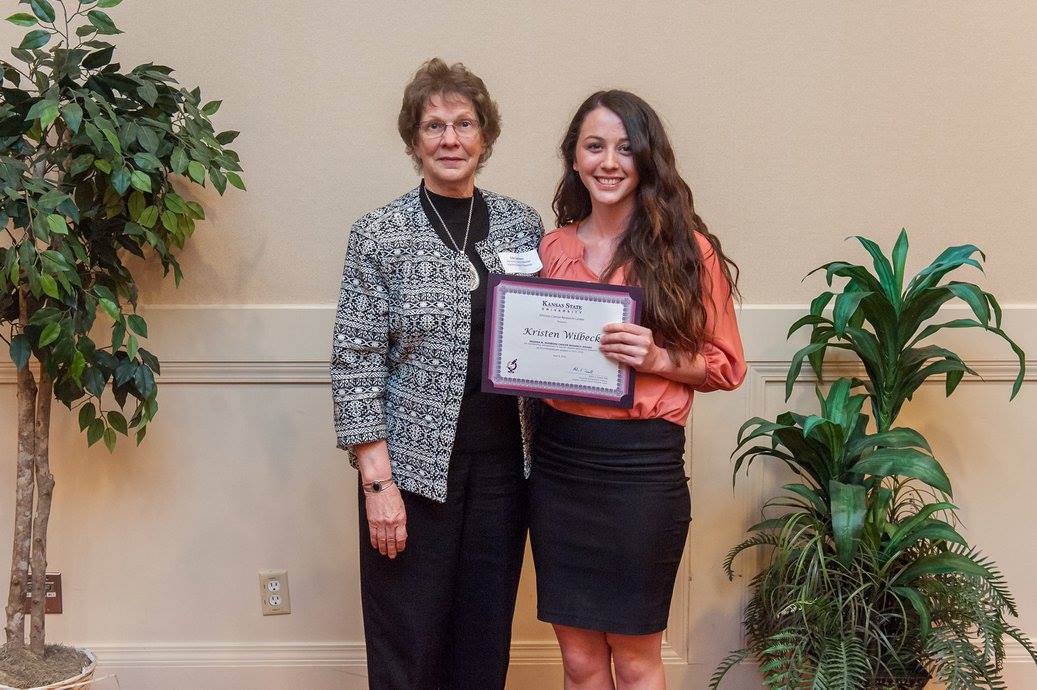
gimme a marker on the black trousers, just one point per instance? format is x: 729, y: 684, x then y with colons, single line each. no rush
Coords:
x: 439, y: 615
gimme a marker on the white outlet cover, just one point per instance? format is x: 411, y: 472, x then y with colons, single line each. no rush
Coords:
x: 274, y: 595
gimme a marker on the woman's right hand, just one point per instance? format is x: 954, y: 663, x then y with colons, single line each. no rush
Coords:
x: 387, y: 521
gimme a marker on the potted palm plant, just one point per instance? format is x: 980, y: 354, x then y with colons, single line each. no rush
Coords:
x: 89, y: 153
x: 868, y: 582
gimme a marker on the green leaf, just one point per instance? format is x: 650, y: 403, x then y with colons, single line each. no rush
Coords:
x: 112, y: 139
x: 22, y: 19
x: 73, y: 116
x: 94, y: 432
x: 235, y: 180
x: 899, y: 437
x: 137, y: 325
x: 883, y: 270
x: 145, y: 381
x: 148, y: 92
x: 849, y: 506
x: 169, y: 221
x: 140, y: 180
x: 98, y: 58
x: 50, y: 286
x: 43, y: 10
x: 35, y: 39
x: 197, y: 171
x: 76, y: 368
x: 797, y: 366
x: 219, y: 181
x: 942, y: 564
x: 949, y: 259
x: 131, y: 347
x: 149, y: 216
x: 57, y: 224
x: 38, y: 108
x: 175, y: 203
x: 147, y: 161
x: 150, y: 360
x: 103, y: 165
x: 140, y: 434
x: 118, y: 333
x: 118, y: 422
x: 87, y: 414
x: 121, y: 180
x: 136, y: 205
x: 148, y: 139
x: 102, y: 22
x: 905, y: 462
x: 178, y: 161
x: 974, y: 297
x: 109, y: 307
x: 900, y: 260
x: 227, y: 137
x: 211, y: 107
x: 109, y: 439
x: 49, y: 334
x: 846, y: 304
x: 20, y: 348
x: 810, y: 494
x: 920, y: 606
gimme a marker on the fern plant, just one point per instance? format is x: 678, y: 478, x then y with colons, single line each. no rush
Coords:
x: 868, y: 583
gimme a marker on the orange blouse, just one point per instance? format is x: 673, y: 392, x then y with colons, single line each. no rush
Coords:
x: 561, y: 252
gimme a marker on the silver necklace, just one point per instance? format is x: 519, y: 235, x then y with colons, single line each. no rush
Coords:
x: 473, y: 274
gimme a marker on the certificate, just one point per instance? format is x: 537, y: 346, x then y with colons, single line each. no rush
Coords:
x: 543, y: 335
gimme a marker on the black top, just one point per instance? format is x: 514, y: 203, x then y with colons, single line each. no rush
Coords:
x: 488, y: 422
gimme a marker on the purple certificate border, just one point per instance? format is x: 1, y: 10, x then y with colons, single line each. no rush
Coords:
x: 498, y: 288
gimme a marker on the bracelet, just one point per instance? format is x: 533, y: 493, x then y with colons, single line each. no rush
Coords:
x: 378, y: 485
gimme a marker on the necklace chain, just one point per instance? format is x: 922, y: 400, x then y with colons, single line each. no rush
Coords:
x: 473, y: 274
x: 450, y: 236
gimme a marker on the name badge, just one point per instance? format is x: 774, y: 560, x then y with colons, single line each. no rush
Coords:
x: 520, y: 262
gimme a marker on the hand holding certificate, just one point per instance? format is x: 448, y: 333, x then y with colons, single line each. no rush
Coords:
x: 543, y: 336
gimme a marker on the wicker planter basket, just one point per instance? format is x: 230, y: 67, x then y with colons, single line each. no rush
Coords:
x: 82, y: 681
x: 906, y: 683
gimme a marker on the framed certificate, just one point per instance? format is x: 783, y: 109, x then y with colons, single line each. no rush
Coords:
x: 542, y: 339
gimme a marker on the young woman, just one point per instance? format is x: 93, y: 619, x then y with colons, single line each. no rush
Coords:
x: 608, y: 494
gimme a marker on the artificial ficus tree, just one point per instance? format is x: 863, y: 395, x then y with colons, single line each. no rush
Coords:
x: 89, y: 153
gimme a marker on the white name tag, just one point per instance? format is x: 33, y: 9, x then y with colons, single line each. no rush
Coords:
x: 520, y: 262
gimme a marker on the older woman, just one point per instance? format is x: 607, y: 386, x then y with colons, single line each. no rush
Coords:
x: 443, y: 504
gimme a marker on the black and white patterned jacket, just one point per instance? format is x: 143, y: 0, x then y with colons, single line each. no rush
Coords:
x: 400, y: 346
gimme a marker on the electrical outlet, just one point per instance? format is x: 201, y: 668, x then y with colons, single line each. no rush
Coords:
x: 273, y: 592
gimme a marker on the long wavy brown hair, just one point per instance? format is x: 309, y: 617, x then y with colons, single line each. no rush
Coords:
x: 658, y: 246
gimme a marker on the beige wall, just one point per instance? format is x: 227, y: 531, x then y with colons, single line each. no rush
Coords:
x: 796, y: 125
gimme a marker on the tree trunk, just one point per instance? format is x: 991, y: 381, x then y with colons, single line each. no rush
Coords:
x: 44, y: 495
x: 15, y: 627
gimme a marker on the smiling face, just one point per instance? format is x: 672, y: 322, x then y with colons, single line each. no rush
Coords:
x: 604, y: 160
x: 449, y: 162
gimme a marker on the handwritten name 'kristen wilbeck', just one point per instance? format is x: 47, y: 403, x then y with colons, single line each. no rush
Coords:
x: 580, y: 336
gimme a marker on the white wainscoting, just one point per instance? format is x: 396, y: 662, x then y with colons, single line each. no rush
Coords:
x: 159, y: 546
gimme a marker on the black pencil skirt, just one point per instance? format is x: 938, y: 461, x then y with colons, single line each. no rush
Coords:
x: 609, y: 515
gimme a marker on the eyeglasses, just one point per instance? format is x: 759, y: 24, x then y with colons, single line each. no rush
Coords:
x: 465, y: 130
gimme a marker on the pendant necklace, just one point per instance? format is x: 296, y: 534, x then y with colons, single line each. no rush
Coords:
x: 473, y: 274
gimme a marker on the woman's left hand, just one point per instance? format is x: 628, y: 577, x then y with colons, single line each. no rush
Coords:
x: 627, y: 343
